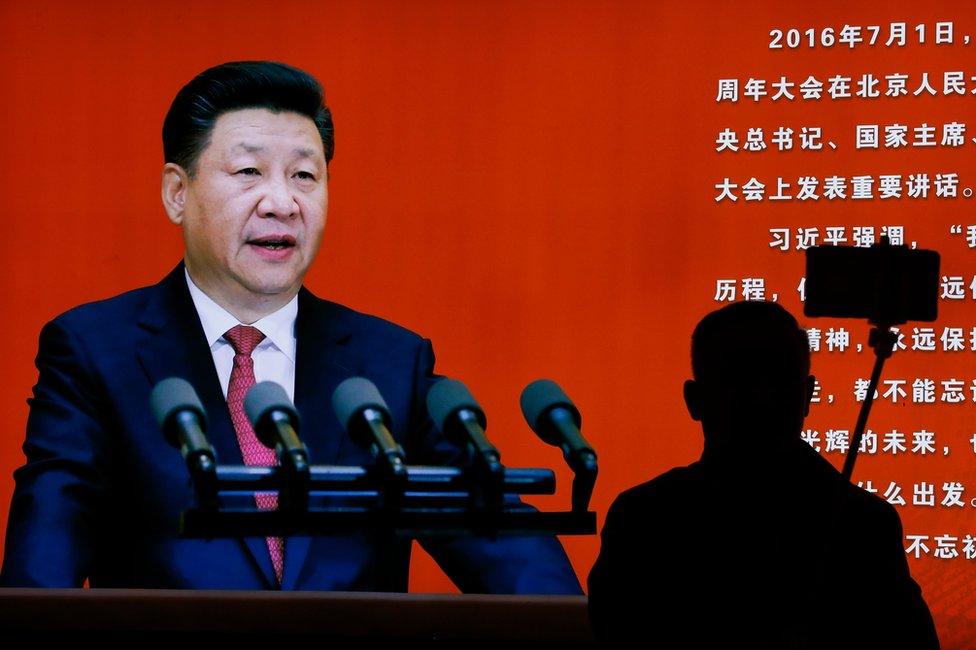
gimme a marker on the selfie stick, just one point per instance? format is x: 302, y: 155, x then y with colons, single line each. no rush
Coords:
x: 889, y: 310
x: 883, y: 340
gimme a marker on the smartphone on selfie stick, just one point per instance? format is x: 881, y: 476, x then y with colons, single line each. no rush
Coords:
x: 885, y: 284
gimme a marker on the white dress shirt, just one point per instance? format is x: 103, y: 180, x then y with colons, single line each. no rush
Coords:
x: 274, y: 358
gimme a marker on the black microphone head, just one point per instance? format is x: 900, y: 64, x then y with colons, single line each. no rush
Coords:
x: 540, y: 397
x: 353, y: 396
x: 448, y: 396
x: 260, y: 401
x: 171, y: 396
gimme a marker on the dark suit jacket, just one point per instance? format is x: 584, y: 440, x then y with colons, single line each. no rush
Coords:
x: 776, y: 554
x: 100, y: 494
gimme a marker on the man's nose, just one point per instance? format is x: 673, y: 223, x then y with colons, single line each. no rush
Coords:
x: 278, y: 199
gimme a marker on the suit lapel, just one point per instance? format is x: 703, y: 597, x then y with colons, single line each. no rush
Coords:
x: 321, y: 332
x: 175, y: 345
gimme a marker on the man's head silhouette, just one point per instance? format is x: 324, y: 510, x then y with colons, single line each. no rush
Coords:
x: 752, y: 384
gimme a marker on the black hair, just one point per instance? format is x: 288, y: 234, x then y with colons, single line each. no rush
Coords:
x: 745, y: 333
x: 238, y: 85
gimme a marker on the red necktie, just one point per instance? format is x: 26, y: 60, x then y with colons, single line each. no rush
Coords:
x: 244, y: 339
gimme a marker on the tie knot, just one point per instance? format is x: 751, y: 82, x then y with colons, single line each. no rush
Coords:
x: 244, y: 338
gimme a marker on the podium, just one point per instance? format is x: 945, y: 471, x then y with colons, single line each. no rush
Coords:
x: 221, y: 616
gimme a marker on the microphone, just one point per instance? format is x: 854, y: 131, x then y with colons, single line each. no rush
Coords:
x: 364, y: 415
x: 276, y: 424
x: 181, y: 417
x: 458, y: 416
x: 555, y: 419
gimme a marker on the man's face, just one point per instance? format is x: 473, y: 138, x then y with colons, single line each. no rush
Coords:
x: 254, y: 211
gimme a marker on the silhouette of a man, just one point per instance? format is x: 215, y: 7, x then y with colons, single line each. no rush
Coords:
x: 761, y: 543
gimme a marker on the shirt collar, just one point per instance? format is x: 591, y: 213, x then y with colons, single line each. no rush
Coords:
x: 278, y: 327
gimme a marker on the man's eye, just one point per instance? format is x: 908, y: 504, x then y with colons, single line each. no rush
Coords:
x: 248, y: 171
x: 305, y: 176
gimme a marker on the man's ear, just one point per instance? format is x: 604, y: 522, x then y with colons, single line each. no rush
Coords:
x: 174, y: 185
x: 693, y: 399
x: 811, y: 385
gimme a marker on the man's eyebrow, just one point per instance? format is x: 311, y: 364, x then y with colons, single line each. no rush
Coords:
x: 301, y: 152
x: 249, y: 148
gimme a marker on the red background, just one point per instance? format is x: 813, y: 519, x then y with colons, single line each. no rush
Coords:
x: 529, y: 184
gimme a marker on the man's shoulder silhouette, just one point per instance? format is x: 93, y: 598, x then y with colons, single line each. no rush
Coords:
x: 747, y: 544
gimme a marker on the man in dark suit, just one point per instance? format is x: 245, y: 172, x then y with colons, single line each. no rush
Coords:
x: 247, y: 147
x: 761, y: 543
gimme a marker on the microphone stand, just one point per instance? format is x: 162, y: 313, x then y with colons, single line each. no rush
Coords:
x: 584, y: 480
x: 429, y: 501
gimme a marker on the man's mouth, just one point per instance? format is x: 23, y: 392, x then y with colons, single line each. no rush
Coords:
x: 273, y: 242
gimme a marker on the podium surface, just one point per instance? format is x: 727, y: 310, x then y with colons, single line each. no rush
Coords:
x: 219, y: 615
